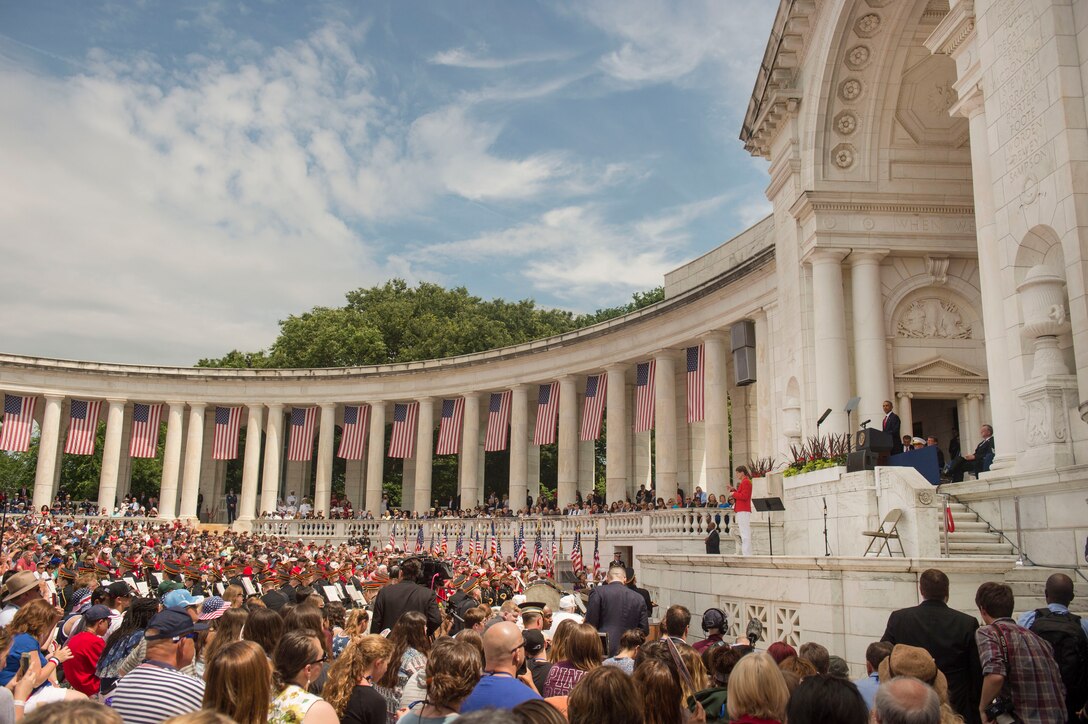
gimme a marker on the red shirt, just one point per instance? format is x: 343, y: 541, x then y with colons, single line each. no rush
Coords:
x: 79, y: 670
x: 742, y: 499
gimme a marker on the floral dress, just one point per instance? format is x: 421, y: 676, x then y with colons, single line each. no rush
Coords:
x: 291, y: 704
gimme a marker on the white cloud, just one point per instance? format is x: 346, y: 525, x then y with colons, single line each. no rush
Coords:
x: 465, y: 58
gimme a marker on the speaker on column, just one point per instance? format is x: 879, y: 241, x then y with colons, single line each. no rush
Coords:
x: 743, y: 342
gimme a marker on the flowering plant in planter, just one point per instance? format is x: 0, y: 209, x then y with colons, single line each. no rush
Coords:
x: 760, y: 467
x: 819, y: 452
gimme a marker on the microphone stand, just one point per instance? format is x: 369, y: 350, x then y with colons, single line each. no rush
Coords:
x: 827, y: 545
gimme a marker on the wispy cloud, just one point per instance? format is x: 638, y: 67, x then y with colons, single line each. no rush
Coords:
x: 465, y: 58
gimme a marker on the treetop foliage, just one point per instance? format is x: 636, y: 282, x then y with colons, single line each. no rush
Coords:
x: 395, y: 322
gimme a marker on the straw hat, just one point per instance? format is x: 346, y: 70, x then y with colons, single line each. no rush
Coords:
x: 19, y: 584
x: 916, y: 662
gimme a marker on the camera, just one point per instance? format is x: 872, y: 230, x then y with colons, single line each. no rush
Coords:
x: 1000, y: 711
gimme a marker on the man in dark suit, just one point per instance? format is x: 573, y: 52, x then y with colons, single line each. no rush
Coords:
x: 405, y: 595
x: 977, y: 462
x: 949, y: 637
x: 614, y: 608
x: 891, y: 422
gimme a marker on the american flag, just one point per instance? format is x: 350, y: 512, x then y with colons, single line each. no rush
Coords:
x: 596, y: 390
x: 459, y: 549
x: 82, y: 427
x: 696, y: 365
x: 554, y: 555
x: 303, y: 420
x: 419, y: 540
x: 18, y: 418
x: 644, y: 395
x: 494, y: 541
x: 227, y: 422
x: 477, y: 546
x: 353, y: 433
x: 393, y: 537
x: 434, y: 543
x: 402, y: 443
x: 445, y: 542
x: 596, y: 555
x: 538, y: 551
x: 576, y: 554
x: 498, y: 421
x: 449, y: 427
x: 547, y: 412
x: 404, y: 534
x: 145, y: 431
x: 519, y: 544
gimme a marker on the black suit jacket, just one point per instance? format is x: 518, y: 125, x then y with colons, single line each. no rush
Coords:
x: 982, y: 450
x: 614, y: 608
x: 891, y: 426
x: 393, y: 601
x: 949, y: 637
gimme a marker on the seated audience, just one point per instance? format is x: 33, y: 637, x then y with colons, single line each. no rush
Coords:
x: 757, y: 692
x: 239, y: 683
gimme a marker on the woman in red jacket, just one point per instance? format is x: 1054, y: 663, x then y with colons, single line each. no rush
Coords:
x: 742, y: 509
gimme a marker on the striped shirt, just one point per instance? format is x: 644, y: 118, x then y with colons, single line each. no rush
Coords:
x: 153, y: 692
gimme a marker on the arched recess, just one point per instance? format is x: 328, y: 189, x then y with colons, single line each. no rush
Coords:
x: 791, y: 413
x: 936, y: 321
x: 1040, y: 255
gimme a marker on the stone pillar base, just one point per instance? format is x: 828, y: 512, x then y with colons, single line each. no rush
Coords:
x: 1047, y: 402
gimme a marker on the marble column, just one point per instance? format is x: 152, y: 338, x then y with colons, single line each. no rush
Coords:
x: 111, y: 455
x: 194, y: 448
x: 408, y: 483
x: 567, y: 481
x: 969, y: 440
x: 251, y: 464
x: 665, y: 424
x: 616, y: 431
x: 870, y: 338
x: 375, y: 459
x: 906, y: 417
x: 171, y: 460
x: 519, y: 443
x: 48, y: 445
x: 716, y: 406
x: 323, y: 483
x: 469, y: 467
x: 424, y: 455
x: 831, y: 353
x: 273, y: 451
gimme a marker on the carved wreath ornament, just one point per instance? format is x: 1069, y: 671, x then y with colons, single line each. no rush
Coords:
x: 933, y: 318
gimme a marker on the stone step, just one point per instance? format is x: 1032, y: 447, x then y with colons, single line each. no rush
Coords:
x: 974, y: 536
x: 968, y: 524
x: 980, y: 549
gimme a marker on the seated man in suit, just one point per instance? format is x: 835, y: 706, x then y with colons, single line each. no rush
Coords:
x: 932, y: 441
x: 977, y: 462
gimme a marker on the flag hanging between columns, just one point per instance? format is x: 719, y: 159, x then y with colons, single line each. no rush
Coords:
x: 145, y: 430
x: 547, y: 413
x: 403, y: 440
x: 644, y: 395
x: 301, y: 446
x: 228, y: 421
x: 18, y: 418
x: 419, y: 539
x: 353, y: 433
x: 576, y: 554
x: 498, y: 421
x: 519, y: 549
x: 538, y: 550
x: 596, y: 389
x: 82, y: 426
x: 596, y: 555
x: 696, y: 364
x: 449, y: 427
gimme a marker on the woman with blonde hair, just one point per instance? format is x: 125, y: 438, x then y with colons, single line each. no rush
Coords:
x: 235, y: 595
x: 356, y: 625
x: 238, y: 682
x: 756, y: 692
x: 33, y: 628
x: 297, y: 662
x: 582, y: 654
x: 559, y: 640
x: 453, y: 670
x: 228, y: 630
x: 350, y: 685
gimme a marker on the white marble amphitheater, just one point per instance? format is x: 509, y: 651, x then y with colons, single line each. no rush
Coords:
x: 928, y: 245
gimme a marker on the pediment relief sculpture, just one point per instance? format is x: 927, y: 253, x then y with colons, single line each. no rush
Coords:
x: 933, y: 319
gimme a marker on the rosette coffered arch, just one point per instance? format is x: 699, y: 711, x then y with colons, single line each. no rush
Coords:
x: 885, y: 99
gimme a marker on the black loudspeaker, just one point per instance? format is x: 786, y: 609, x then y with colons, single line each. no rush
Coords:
x: 860, y: 460
x: 743, y: 334
x: 744, y: 366
x: 873, y: 440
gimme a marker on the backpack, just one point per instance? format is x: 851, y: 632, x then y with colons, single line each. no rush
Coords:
x: 1064, y: 633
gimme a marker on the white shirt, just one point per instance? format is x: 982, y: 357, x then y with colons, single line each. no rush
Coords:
x: 559, y: 617
x: 7, y: 614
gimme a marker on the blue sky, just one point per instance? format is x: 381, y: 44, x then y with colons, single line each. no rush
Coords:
x: 179, y: 176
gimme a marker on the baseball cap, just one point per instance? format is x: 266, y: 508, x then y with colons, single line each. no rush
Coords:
x: 119, y: 589
x: 534, y: 641
x: 96, y: 613
x: 166, y: 586
x: 171, y: 624
x: 180, y: 599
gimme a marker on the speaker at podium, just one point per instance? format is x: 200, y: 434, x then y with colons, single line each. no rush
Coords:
x: 873, y: 441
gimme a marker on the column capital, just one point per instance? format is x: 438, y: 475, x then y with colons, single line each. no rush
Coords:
x: 975, y: 396
x: 617, y: 367
x: 328, y: 405
x: 425, y: 399
x: 197, y: 405
x: 826, y: 255
x: 715, y: 335
x: 568, y: 378
x: 116, y: 400
x: 666, y: 353
x: 174, y: 403
x: 905, y: 395
x: 274, y: 406
x: 867, y: 256
x: 53, y: 396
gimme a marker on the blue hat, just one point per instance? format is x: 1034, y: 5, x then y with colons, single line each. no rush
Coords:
x: 172, y: 623
x: 97, y: 613
x: 180, y: 599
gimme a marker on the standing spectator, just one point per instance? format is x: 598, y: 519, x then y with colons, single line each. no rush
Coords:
x: 906, y: 699
x: 582, y: 655
x: 1067, y: 634
x: 874, y: 654
x: 757, y: 692
x: 232, y: 506
x: 297, y: 663
x: 712, y: 540
x: 742, y: 509
x: 239, y: 683
x: 949, y: 637
x: 409, y: 655
x: 536, y: 660
x: 453, y: 670
x: 86, y: 647
x: 604, y: 696
x: 826, y: 700
x: 613, y: 608
x: 405, y: 595
x: 817, y: 655
x: 349, y: 689
x: 1017, y: 665
x: 629, y: 646
x: 659, y: 689
x: 155, y: 689
x: 713, y: 622
x: 499, y: 687
x: 676, y: 623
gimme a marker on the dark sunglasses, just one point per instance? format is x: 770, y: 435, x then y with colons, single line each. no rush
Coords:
x: 323, y: 659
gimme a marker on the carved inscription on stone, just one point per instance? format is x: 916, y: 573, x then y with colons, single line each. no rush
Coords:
x: 933, y: 319
x: 955, y: 224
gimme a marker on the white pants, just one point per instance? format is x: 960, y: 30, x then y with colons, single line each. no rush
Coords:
x: 744, y: 532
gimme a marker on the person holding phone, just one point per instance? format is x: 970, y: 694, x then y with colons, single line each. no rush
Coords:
x: 33, y: 628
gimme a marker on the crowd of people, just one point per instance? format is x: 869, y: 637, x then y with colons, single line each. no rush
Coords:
x: 143, y: 622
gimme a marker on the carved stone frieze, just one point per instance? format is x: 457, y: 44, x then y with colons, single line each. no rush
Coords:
x: 858, y: 57
x: 843, y: 155
x: 867, y: 25
x: 850, y: 89
x: 846, y: 123
x: 932, y: 318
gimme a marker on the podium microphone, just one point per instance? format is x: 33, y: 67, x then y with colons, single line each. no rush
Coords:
x: 827, y: 544
x: 863, y: 424
x: 823, y: 417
